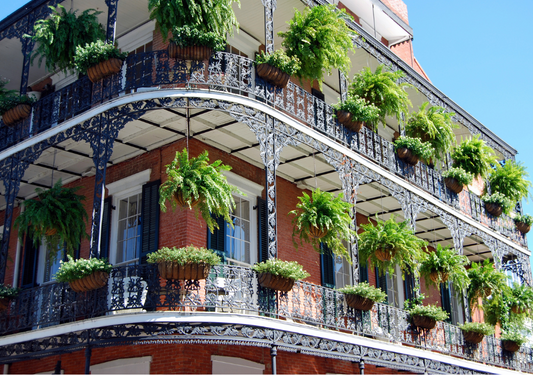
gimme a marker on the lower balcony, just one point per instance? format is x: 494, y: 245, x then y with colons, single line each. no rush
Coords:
x: 233, y: 289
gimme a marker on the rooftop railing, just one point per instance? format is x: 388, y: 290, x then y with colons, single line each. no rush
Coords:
x: 227, y: 72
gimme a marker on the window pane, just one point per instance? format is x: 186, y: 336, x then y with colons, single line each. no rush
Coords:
x: 129, y: 229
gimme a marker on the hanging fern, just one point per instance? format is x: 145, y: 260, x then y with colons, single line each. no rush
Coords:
x: 58, y: 36
x: 382, y: 88
x: 60, y: 209
x: 197, y: 180
x: 320, y: 39
x: 511, y: 181
x: 205, y: 15
x: 474, y: 156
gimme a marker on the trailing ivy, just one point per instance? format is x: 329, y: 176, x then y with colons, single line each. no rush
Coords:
x: 320, y: 39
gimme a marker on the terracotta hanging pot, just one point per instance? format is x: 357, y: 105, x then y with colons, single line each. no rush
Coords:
x: 424, y: 321
x: 522, y: 227
x: 51, y: 232
x: 104, y: 69
x: 453, y: 185
x: 438, y: 277
x: 407, y: 156
x: 345, y: 118
x: 517, y: 310
x: 188, y: 271
x: 358, y: 302
x: 510, y: 346
x: 275, y: 282
x: 182, y: 202
x: 16, y: 114
x: 473, y: 337
x: 273, y: 75
x: 385, y: 255
x: 494, y: 209
x: 198, y: 53
x: 90, y: 282
x: 316, y: 232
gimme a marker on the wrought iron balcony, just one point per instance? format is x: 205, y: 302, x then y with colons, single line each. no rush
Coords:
x: 235, y: 74
x: 234, y: 289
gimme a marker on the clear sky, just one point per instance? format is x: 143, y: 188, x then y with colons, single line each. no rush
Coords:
x: 475, y: 52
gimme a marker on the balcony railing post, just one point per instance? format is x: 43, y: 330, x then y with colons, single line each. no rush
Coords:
x: 270, y: 7
x: 343, y: 84
x: 112, y: 6
x: 27, y: 48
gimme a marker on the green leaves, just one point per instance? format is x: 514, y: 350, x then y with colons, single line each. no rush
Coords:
x: 526, y: 219
x: 499, y: 199
x: 6, y: 291
x: 58, y: 36
x: 417, y: 147
x: 365, y: 290
x: 474, y: 156
x: 60, y: 209
x: 290, y: 270
x: 326, y: 212
x: 431, y: 311
x: 510, y: 180
x: 279, y: 59
x: 446, y: 261
x: 215, y: 16
x: 79, y: 268
x: 382, y: 89
x: 183, y: 255
x: 12, y: 100
x: 462, y: 176
x: 197, y: 180
x: 186, y: 36
x: 320, y: 39
x: 483, y: 328
x: 359, y: 108
x: 94, y: 53
x: 485, y: 281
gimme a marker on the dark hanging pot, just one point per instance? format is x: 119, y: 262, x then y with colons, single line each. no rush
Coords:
x: 198, y: 53
x: 16, y: 114
x: 522, y: 227
x: 407, y: 156
x: 188, y: 271
x: 90, y: 282
x: 275, y: 282
x: 345, y: 118
x: 453, y: 185
x: 358, y: 302
x: 273, y: 75
x: 104, y: 69
x: 473, y: 337
x: 494, y: 209
x: 424, y: 322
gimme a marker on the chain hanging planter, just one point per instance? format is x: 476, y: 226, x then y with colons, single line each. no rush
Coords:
x: 453, y: 185
x: 345, y: 118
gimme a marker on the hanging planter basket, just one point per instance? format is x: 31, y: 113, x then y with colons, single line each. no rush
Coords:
x: 438, y: 277
x: 385, y: 255
x: 510, y: 346
x: 273, y: 75
x: 187, y: 271
x: 424, y: 322
x: 182, y: 202
x: 522, y: 227
x: 517, y: 310
x: 90, y: 282
x: 275, y: 282
x: 16, y: 114
x: 473, y: 337
x: 198, y: 53
x: 453, y: 185
x: 51, y: 232
x: 345, y: 118
x: 104, y: 69
x: 359, y: 303
x: 407, y: 156
x: 494, y: 209
x: 316, y: 232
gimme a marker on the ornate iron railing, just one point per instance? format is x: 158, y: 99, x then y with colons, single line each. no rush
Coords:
x: 236, y: 74
x: 235, y: 289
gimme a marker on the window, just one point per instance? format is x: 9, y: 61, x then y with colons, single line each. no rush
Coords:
x: 336, y: 271
x: 129, y: 229
x: 452, y: 305
x: 393, y: 285
x: 240, y: 244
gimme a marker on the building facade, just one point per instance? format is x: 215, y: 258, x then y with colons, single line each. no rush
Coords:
x: 114, y: 138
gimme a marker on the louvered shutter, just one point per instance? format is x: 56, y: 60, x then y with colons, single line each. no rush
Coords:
x: 262, y: 221
x: 445, y: 294
x: 327, y: 262
x: 149, y: 219
x: 216, y: 240
x: 409, y: 286
x: 29, y: 264
x: 363, y: 273
x: 106, y: 228
x: 381, y: 281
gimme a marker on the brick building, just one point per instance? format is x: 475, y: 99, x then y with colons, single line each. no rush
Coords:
x: 118, y: 135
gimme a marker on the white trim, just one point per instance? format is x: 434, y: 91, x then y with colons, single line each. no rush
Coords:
x: 235, y: 365
x: 245, y: 43
x: 250, y: 320
x: 129, y: 182
x: 138, y: 37
x: 245, y: 185
x: 201, y: 94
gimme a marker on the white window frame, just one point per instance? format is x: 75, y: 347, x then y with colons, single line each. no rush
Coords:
x: 118, y: 190
x: 234, y: 365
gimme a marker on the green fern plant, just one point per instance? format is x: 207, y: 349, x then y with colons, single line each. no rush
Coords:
x: 435, y: 126
x: 324, y: 211
x: 474, y: 156
x: 463, y: 177
x: 359, y: 108
x: 431, y: 311
x: 365, y: 290
x: 398, y: 239
x: 382, y: 89
x: 58, y: 36
x: 290, y: 270
x: 485, y: 281
x: 511, y: 181
x: 448, y: 265
x: 482, y: 328
x: 320, y: 39
x: 57, y: 215
x: 195, y: 180
x: 215, y: 16
x: 280, y: 60
x: 96, y: 52
x: 421, y: 149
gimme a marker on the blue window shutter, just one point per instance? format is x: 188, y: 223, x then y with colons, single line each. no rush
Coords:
x: 327, y: 262
x: 29, y: 263
x: 106, y: 229
x: 262, y: 221
x: 216, y: 240
x: 149, y: 219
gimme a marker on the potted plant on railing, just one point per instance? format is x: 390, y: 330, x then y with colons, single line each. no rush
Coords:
x: 485, y: 281
x: 474, y: 156
x: 188, y: 43
x: 456, y: 178
x: 445, y: 264
x: 323, y: 218
x: 84, y: 275
x: 388, y: 244
x: 276, y: 67
x: 320, y: 39
x: 427, y: 316
x: 496, y: 203
x: 382, y: 89
x: 279, y: 274
x: 57, y: 215
x: 474, y: 332
x: 185, y: 263
x: 189, y: 20
x: 14, y: 108
x: 98, y: 60
x: 434, y: 126
x: 363, y: 296
x: 410, y: 150
x: 194, y: 183
x: 512, y: 340
x: 511, y: 181
x: 523, y: 222
x: 58, y: 36
x: 7, y: 293
x: 354, y: 112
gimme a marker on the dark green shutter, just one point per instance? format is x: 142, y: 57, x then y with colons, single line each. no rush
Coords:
x: 216, y: 240
x: 262, y: 221
x: 106, y: 228
x: 327, y: 262
x: 409, y: 286
x: 29, y: 264
x: 445, y: 295
x: 363, y: 273
x: 149, y: 219
x: 381, y: 281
